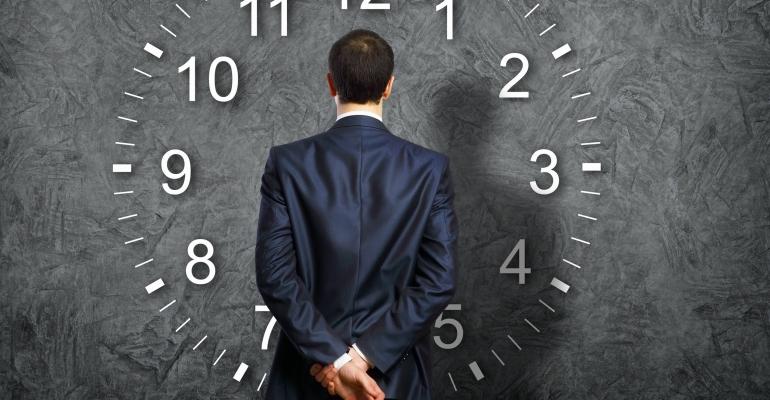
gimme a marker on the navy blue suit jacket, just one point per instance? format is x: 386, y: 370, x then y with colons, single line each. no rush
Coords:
x: 355, y: 244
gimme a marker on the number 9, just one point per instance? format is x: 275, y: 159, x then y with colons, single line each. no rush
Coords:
x: 548, y: 170
x: 184, y: 173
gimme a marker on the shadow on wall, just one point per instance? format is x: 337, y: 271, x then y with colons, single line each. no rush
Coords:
x: 493, y: 215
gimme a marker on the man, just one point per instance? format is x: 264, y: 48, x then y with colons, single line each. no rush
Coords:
x: 355, y: 251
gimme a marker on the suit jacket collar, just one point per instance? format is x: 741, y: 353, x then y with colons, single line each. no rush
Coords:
x: 359, y: 120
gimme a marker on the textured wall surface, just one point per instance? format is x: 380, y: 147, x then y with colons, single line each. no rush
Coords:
x: 673, y: 297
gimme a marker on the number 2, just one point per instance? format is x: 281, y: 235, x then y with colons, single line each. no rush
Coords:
x: 506, y: 93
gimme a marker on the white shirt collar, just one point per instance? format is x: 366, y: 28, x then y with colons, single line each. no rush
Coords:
x: 366, y: 113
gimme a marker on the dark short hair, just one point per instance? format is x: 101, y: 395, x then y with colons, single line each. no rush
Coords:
x: 361, y: 63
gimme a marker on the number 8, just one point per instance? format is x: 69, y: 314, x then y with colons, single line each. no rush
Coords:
x: 206, y: 259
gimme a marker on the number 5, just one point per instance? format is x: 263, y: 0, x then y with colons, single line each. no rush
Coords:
x: 547, y: 170
x: 441, y: 321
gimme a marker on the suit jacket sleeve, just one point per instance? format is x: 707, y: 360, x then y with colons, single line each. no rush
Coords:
x: 431, y: 289
x: 283, y: 291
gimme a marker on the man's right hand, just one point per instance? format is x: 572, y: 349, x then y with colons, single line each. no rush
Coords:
x: 350, y: 382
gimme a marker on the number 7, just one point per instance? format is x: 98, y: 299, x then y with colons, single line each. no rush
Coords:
x: 268, y: 329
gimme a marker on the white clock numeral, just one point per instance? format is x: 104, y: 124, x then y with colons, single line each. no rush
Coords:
x: 284, y: 15
x: 449, y: 5
x: 521, y: 270
x: 206, y: 259
x: 547, y: 170
x: 183, y: 174
x: 368, y: 5
x: 441, y: 321
x: 233, y: 79
x: 268, y: 329
x: 253, y: 16
x: 190, y: 66
x: 253, y: 4
x: 506, y: 93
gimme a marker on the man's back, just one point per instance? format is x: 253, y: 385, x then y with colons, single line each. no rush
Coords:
x: 363, y: 225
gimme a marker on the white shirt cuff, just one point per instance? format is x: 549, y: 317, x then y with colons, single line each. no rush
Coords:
x: 342, y: 360
x: 361, y: 353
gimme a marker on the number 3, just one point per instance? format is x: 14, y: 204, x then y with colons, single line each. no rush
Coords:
x: 547, y: 170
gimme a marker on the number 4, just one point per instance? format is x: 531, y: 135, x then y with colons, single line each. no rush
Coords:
x: 521, y: 269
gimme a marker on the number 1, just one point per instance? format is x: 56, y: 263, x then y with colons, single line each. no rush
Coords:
x: 449, y: 5
x: 284, y: 15
x: 253, y: 3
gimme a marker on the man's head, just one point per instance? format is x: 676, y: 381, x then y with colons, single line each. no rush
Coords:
x: 360, y: 68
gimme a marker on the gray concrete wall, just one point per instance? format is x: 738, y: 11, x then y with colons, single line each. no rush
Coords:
x: 673, y: 298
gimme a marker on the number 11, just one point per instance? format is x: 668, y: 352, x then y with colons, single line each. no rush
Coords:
x: 284, y: 15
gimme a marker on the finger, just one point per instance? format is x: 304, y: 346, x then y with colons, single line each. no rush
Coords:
x: 329, y: 375
x: 314, y: 369
x: 320, y: 374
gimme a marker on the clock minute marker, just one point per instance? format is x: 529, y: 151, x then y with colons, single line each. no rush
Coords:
x: 125, y: 144
x: 142, y: 72
x: 182, y: 10
x: 532, y: 10
x: 157, y: 284
x: 123, y: 218
x: 124, y: 192
x: 183, y: 324
x: 587, y: 119
x: 121, y: 168
x: 514, y: 342
x: 144, y: 263
x: 167, y: 305
x: 261, y: 381
x: 133, y: 95
x: 153, y: 50
x: 577, y: 96
x: 127, y: 119
x: 546, y: 30
x: 241, y: 371
x: 168, y: 30
x: 571, y: 263
x: 532, y: 325
x: 592, y: 167
x: 561, y: 51
x: 558, y: 284
x: 200, y: 341
x: 497, y: 357
x: 546, y: 305
x: 452, y: 380
x: 139, y: 239
x: 570, y: 73
x: 474, y: 366
x: 587, y: 217
x: 220, y: 356
x: 591, y: 193
x: 580, y: 240
x: 590, y: 143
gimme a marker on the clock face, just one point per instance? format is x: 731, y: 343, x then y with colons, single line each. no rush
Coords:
x: 501, y: 87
